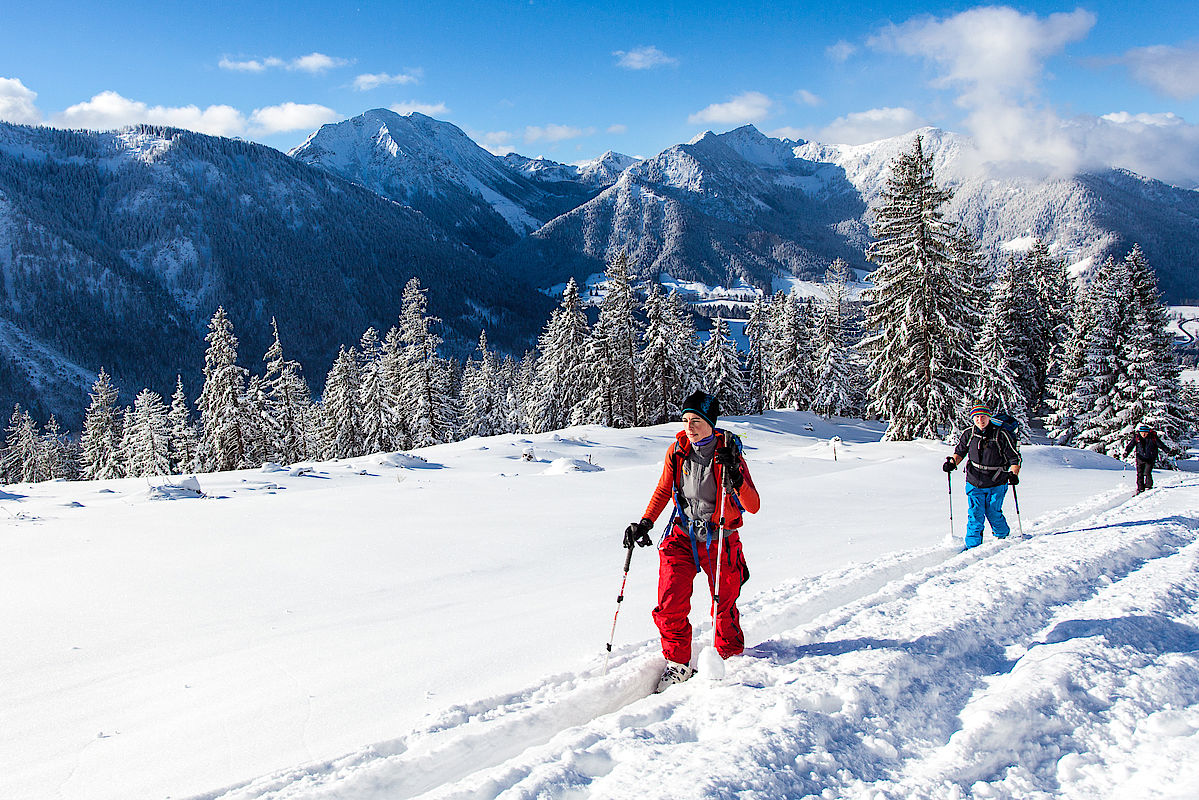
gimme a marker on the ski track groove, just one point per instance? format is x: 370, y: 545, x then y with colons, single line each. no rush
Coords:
x: 559, y: 737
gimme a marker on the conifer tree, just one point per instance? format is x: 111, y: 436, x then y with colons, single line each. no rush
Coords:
x: 288, y: 405
x: 793, y: 374
x: 723, y: 376
x: 21, y: 458
x: 55, y: 453
x: 668, y: 357
x: 376, y: 409
x: 147, y: 437
x: 423, y: 391
x: 1063, y: 398
x: 917, y: 344
x: 483, y: 407
x: 1151, y: 392
x: 561, y: 373
x: 100, y: 442
x: 999, y: 355
x: 838, y: 384
x: 758, y: 332
x: 612, y: 355
x: 342, y: 434
x: 185, y: 439
x: 1107, y: 358
x: 221, y: 401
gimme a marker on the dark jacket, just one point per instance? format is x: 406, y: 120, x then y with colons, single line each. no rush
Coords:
x: 1146, y: 446
x: 990, y: 451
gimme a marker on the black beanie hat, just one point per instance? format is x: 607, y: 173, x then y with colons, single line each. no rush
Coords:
x: 704, y: 405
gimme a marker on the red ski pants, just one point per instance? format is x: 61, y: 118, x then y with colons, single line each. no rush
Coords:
x: 676, y: 577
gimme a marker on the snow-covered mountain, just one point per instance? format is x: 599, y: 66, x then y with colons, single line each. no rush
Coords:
x: 435, y: 168
x: 116, y: 248
x: 719, y: 209
x: 600, y: 172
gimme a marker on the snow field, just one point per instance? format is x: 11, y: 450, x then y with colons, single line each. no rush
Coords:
x: 171, y: 647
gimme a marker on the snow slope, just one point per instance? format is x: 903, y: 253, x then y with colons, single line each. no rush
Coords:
x: 441, y: 635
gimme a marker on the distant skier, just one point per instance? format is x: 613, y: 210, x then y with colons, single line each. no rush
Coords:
x: 1145, y: 442
x: 994, y: 463
x: 699, y: 462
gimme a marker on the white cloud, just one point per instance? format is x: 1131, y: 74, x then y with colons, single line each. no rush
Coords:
x: 316, y: 62
x: 618, y: 129
x: 746, y: 107
x: 17, y: 103
x: 554, y: 133
x: 251, y: 65
x: 808, y: 99
x: 499, y: 143
x: 993, y: 58
x: 313, y: 63
x: 643, y: 58
x: 1163, y: 146
x: 869, y: 126
x: 1171, y: 70
x: 841, y: 51
x: 290, y: 117
x: 428, y: 109
x: 108, y: 110
x: 370, y: 81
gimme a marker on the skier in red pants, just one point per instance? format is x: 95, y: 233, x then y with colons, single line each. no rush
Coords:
x: 704, y: 468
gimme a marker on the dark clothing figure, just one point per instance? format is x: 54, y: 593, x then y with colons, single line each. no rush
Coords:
x: 1146, y: 445
x: 990, y: 452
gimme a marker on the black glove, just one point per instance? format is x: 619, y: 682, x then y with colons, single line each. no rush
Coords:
x: 1013, y: 478
x: 638, y: 533
x: 730, y: 465
x: 950, y: 465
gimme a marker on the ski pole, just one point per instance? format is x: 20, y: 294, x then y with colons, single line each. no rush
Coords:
x: 628, y: 559
x: 949, y: 481
x: 1016, y: 497
x: 719, y: 554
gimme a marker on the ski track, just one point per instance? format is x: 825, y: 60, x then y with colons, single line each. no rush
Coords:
x: 908, y: 677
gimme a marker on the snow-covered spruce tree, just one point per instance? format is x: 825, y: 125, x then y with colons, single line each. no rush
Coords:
x: 483, y: 407
x: 55, y: 452
x: 668, y: 357
x: 838, y: 382
x: 258, y: 423
x: 723, y: 376
x: 758, y: 332
x: 342, y: 435
x: 21, y: 462
x: 147, y: 439
x: 288, y: 403
x: 185, y: 439
x: 793, y: 382
x: 916, y: 342
x: 1065, y: 404
x: 222, y: 445
x: 998, y: 353
x: 1151, y: 392
x: 375, y: 406
x: 560, y: 363
x: 422, y: 388
x: 1054, y: 290
x: 1107, y: 357
x: 611, y: 358
x: 100, y: 442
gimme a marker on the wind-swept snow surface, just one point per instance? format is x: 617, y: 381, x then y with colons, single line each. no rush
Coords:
x: 442, y: 635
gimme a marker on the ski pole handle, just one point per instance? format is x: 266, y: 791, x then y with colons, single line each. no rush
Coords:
x: 628, y: 559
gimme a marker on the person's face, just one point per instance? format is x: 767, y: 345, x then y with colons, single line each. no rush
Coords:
x: 696, y: 426
x: 981, y: 420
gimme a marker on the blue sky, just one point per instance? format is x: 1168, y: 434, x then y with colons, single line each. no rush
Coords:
x: 1101, y: 83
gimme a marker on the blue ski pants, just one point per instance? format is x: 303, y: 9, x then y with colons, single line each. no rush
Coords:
x: 985, y: 504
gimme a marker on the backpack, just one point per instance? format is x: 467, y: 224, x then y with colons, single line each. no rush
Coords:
x: 1007, y: 422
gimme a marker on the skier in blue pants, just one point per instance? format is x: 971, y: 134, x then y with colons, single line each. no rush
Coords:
x: 994, y: 463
